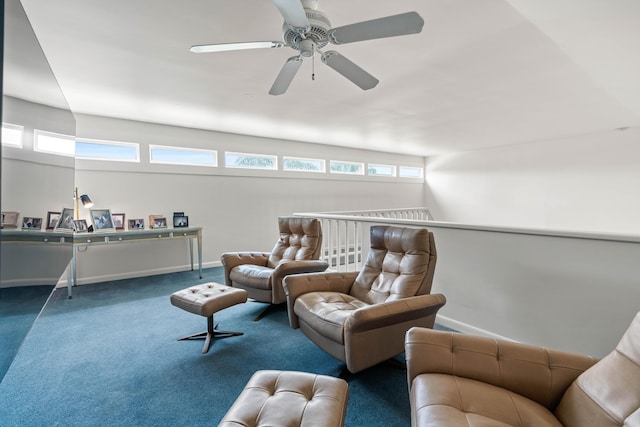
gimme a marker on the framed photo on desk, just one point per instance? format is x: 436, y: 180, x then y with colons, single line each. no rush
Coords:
x: 80, y: 225
x: 65, y: 222
x: 52, y: 219
x: 118, y: 221
x: 101, y: 219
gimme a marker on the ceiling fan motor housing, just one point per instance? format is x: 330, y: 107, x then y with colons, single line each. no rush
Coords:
x: 317, y: 35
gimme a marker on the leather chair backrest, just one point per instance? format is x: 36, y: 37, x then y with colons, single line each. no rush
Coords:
x: 400, y: 264
x: 608, y: 393
x: 300, y: 239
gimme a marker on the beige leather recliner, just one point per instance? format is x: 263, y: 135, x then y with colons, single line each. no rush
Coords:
x: 260, y: 273
x: 361, y: 317
x: 463, y: 380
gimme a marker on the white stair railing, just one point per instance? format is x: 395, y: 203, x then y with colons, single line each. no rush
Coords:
x: 345, y: 242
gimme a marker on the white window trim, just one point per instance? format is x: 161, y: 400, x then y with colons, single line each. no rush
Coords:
x: 108, y: 142
x: 304, y: 159
x: 38, y: 132
x: 11, y: 126
x: 235, y: 153
x: 186, y: 150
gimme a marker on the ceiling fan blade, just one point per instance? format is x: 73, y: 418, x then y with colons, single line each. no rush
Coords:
x: 286, y: 75
x: 390, y: 26
x: 221, y: 47
x: 350, y: 70
x: 293, y: 13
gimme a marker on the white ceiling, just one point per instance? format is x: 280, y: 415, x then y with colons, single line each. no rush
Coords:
x: 482, y: 73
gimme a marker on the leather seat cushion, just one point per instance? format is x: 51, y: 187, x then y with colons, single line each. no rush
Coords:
x: 208, y: 298
x: 289, y: 398
x: 327, y: 312
x: 447, y: 400
x: 254, y: 276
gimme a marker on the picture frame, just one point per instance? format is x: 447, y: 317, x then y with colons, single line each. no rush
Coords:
x: 160, y: 222
x: 152, y: 220
x: 31, y: 223
x: 52, y: 219
x: 102, y: 220
x: 65, y: 222
x: 10, y: 219
x: 118, y: 221
x: 80, y: 226
x: 136, y: 224
x: 180, y: 221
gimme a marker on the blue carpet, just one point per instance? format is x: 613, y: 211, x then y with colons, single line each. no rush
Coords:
x: 109, y: 356
x: 19, y: 308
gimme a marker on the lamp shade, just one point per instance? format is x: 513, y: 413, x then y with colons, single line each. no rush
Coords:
x: 86, y: 201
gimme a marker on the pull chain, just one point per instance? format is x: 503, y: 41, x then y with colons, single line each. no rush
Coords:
x: 313, y: 67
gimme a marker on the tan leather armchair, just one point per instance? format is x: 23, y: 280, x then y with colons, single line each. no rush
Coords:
x: 361, y: 317
x: 463, y: 380
x: 260, y: 273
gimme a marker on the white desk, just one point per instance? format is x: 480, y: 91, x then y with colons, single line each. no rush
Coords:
x: 85, y: 240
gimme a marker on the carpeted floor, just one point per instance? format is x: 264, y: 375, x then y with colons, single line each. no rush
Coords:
x: 19, y: 308
x: 109, y: 356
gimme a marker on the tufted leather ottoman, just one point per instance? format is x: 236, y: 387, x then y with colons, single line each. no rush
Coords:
x: 288, y: 399
x: 205, y: 300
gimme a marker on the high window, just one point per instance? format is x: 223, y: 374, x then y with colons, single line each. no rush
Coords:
x: 182, y: 156
x: 250, y: 161
x: 12, y: 135
x: 108, y: 150
x: 352, y: 168
x: 411, y: 172
x: 302, y: 165
x: 381, y: 170
x: 54, y: 143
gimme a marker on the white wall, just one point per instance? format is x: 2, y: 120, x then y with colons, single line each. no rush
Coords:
x: 573, y: 294
x: 238, y: 209
x: 585, y: 183
x: 568, y: 293
x: 34, y: 183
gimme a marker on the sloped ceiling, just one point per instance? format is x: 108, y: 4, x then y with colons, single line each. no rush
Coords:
x: 482, y: 73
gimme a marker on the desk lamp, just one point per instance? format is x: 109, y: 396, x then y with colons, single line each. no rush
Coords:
x: 86, y: 202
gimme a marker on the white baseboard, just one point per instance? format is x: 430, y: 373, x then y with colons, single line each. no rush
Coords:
x: 62, y: 283
x: 38, y: 281
x: 468, y: 329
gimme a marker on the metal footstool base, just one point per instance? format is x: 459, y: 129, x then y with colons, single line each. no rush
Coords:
x: 205, y: 300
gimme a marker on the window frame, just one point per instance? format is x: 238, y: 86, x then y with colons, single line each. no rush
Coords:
x: 36, y: 136
x: 13, y: 127
x: 323, y: 164
x: 103, y: 142
x: 346, y: 162
x: 394, y: 170
x: 418, y: 168
x: 214, y: 153
x: 254, y: 155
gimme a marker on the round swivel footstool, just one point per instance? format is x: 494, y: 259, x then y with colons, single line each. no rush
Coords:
x: 289, y: 398
x: 205, y: 300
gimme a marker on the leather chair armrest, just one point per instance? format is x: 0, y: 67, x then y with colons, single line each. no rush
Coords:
x: 537, y: 373
x: 288, y: 267
x: 230, y: 260
x: 299, y: 284
x: 394, y: 312
x: 300, y: 266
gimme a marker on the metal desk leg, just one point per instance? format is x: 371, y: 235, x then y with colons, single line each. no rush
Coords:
x: 71, y: 276
x: 191, y: 253
x: 200, y: 252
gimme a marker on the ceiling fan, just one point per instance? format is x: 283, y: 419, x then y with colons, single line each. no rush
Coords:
x: 308, y: 30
